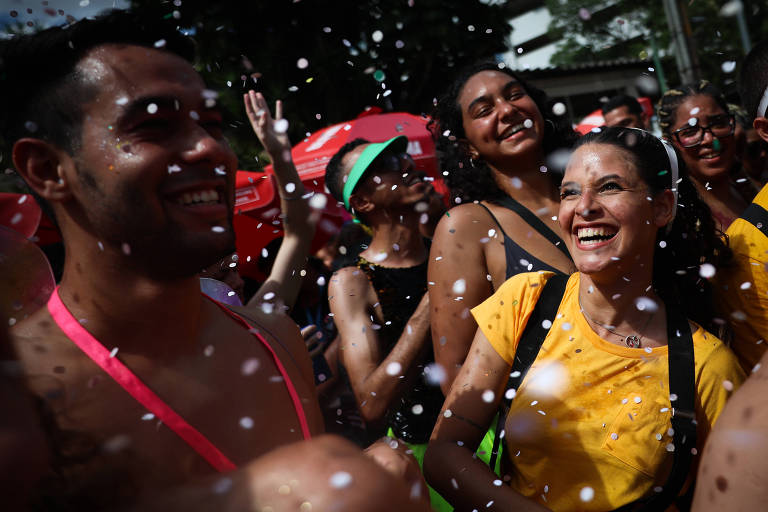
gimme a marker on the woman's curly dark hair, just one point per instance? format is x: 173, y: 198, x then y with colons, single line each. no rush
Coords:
x: 472, y: 180
x: 692, y: 239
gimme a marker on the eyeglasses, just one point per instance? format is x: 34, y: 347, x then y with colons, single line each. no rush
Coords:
x: 719, y: 126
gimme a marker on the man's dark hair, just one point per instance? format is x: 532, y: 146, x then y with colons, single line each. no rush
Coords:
x: 40, y: 86
x: 333, y: 172
x: 753, y: 79
x: 623, y: 100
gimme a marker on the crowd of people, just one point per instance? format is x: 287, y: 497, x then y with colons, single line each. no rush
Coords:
x: 567, y: 334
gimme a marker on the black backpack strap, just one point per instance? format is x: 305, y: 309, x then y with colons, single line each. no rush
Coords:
x: 533, y: 221
x: 682, y: 390
x: 528, y: 348
x: 757, y: 216
x: 494, y: 219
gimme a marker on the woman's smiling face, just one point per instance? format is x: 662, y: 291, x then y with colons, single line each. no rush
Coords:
x: 500, y: 120
x: 607, y: 211
x: 713, y: 157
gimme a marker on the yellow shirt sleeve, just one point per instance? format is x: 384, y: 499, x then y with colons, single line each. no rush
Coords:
x: 742, y: 289
x: 503, y: 315
x: 722, y: 377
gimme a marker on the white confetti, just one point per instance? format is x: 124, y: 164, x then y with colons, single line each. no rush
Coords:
x: 558, y: 109
x: 218, y: 229
x: 281, y: 126
x: 126, y: 249
x: 113, y: 353
x: 250, y: 366
x: 434, y: 373
x: 302, y: 63
x: 394, y: 368
x: 222, y: 485
x: 340, y: 479
x: 152, y: 108
x: 377, y: 36
x: 459, y: 286
x: 646, y: 304
x: 159, y: 43
x: 318, y: 201
x: 173, y: 168
x: 546, y: 324
x: 746, y: 285
x: 122, y: 101
x: 728, y: 66
x: 417, y: 409
x: 528, y: 123
x: 728, y: 385
x: 148, y: 417
x: 614, y: 436
x: 488, y: 396
x: 707, y: 270
x: 246, y: 422
x: 290, y: 187
x: 586, y: 494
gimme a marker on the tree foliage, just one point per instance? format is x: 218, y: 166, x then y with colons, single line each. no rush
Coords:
x: 329, y: 60
x: 594, y: 30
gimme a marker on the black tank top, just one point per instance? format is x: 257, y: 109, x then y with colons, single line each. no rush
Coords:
x: 518, y: 260
x: 399, y: 290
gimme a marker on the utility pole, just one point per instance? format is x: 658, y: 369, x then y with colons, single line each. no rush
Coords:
x: 680, y: 29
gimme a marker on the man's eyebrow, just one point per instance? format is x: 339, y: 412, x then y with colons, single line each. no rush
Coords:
x: 149, y: 104
x: 144, y: 104
x: 485, y: 97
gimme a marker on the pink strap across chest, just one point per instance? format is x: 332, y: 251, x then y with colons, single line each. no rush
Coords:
x: 142, y: 394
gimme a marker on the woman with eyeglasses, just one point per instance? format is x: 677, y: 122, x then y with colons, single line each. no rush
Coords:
x: 609, y: 377
x: 696, y: 119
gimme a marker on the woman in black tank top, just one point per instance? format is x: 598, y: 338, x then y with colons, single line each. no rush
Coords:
x: 494, y: 133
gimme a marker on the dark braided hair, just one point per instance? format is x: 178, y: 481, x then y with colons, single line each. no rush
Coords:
x: 690, y: 241
x: 472, y: 180
x: 673, y: 98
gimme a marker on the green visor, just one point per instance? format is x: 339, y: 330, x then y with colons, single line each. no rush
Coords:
x: 369, y: 154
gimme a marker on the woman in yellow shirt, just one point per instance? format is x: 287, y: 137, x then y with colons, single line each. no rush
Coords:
x: 590, y: 426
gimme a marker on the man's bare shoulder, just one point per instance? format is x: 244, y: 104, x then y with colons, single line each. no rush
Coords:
x: 735, y: 461
x: 37, y: 338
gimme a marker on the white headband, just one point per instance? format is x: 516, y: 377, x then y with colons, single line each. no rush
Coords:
x: 672, y: 157
x: 761, y: 108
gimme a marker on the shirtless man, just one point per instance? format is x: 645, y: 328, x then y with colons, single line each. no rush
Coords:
x: 115, y: 129
x: 734, y: 467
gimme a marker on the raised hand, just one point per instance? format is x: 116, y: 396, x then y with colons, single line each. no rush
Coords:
x: 272, y: 132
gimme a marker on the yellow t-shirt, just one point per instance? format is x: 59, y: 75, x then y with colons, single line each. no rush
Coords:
x: 591, y: 413
x: 741, y: 290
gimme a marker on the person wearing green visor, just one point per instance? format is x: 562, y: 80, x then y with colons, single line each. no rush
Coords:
x: 379, y: 302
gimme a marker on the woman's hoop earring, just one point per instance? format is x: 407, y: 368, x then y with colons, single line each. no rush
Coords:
x: 550, y: 123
